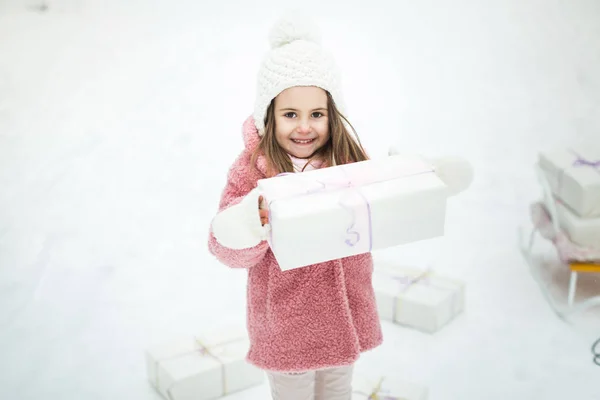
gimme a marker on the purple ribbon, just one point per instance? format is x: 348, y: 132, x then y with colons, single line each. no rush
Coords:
x: 579, y: 162
x: 407, y: 280
x: 582, y: 162
x: 353, y: 236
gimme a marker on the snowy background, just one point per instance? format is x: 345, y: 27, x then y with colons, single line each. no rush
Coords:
x: 119, y: 119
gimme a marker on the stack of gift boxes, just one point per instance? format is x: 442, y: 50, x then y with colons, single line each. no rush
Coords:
x: 574, y: 178
x: 358, y: 208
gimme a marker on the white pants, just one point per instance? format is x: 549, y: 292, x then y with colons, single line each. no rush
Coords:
x: 328, y: 384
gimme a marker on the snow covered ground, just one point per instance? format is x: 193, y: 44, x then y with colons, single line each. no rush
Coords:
x: 119, y: 119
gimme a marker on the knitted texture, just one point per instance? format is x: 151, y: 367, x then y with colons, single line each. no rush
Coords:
x: 296, y: 59
x: 315, y: 317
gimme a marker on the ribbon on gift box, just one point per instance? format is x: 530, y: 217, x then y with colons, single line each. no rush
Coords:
x: 419, y: 278
x: 378, y: 393
x: 408, y: 281
x: 346, y: 180
x: 582, y: 162
x: 308, y: 187
x: 577, y: 163
x: 204, y: 350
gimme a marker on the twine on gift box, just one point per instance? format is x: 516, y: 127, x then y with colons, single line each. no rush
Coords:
x: 579, y: 162
x: 376, y: 393
x: 353, y: 235
x: 417, y: 279
x: 582, y: 162
x: 204, y: 350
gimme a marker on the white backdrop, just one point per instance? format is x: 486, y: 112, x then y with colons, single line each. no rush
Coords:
x: 119, y: 119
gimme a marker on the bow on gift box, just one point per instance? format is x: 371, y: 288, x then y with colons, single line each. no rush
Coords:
x: 377, y: 393
x: 409, y: 281
x: 407, y: 285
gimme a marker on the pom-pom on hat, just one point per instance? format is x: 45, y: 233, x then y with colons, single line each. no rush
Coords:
x: 296, y: 58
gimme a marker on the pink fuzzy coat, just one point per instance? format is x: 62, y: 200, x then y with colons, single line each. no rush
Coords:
x: 309, y: 318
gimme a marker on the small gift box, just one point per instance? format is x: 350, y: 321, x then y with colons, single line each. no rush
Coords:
x: 340, y: 211
x: 202, y: 368
x: 574, y: 177
x: 416, y: 298
x: 582, y: 231
x: 364, y: 388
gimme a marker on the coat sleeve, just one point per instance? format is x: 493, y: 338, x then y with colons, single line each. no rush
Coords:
x: 237, y: 237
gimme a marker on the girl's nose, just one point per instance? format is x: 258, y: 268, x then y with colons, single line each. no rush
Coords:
x: 303, y: 127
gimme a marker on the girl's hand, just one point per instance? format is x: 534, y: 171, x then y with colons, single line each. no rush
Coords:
x: 262, y: 211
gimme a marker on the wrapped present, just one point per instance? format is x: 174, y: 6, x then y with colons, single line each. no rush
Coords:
x: 419, y: 299
x: 330, y: 213
x: 574, y: 177
x: 581, y: 231
x: 366, y: 388
x: 203, y: 367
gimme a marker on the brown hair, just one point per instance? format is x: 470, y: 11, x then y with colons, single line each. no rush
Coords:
x: 341, y: 148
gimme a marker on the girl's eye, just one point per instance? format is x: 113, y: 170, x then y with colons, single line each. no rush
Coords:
x: 317, y: 114
x: 290, y: 115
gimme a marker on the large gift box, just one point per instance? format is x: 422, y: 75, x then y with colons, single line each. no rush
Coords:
x: 574, y: 177
x: 416, y: 298
x: 582, y: 231
x: 330, y: 213
x: 202, y: 367
x: 367, y: 388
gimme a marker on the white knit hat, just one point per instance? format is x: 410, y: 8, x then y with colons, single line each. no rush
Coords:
x: 296, y: 59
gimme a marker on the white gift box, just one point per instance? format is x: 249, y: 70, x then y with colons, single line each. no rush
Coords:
x: 203, y: 367
x: 582, y: 231
x: 366, y: 388
x: 330, y: 213
x: 574, y: 177
x: 416, y: 298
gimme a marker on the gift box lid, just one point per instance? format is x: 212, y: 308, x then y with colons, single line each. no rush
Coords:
x: 173, y: 349
x: 348, y: 175
x: 189, y: 365
x: 582, y: 164
x: 222, y: 335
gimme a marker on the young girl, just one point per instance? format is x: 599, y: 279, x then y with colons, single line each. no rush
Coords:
x: 307, y: 326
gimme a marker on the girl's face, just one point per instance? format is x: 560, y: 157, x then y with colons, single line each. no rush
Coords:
x: 301, y: 120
